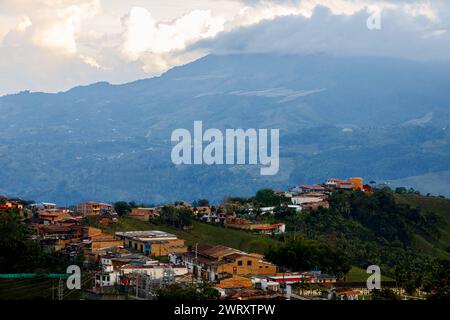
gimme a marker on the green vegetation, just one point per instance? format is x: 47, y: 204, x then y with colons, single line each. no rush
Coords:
x: 34, y: 288
x: 21, y: 255
x: 438, y: 208
x: 406, y: 234
x: 359, y: 275
x: 200, y: 233
x: 384, y: 294
x: 200, y: 203
x: 379, y: 229
x: 122, y: 207
x: 302, y: 254
x: 178, y: 217
x: 267, y: 198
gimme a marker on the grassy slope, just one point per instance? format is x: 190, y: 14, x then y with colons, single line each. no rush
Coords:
x: 441, y: 207
x: 206, y: 233
x: 201, y: 233
x: 357, y: 274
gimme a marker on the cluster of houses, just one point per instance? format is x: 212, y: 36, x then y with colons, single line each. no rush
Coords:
x: 137, y: 266
x: 11, y: 204
x: 312, y: 197
x: 140, y: 262
x: 303, y: 198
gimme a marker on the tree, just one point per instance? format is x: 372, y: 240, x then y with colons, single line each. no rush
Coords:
x: 304, y: 255
x: 18, y: 253
x: 268, y: 198
x: 383, y: 294
x: 203, y: 203
x: 177, y: 217
x: 122, y: 208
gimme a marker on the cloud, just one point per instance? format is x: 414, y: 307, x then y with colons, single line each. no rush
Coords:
x: 401, y: 35
x: 81, y: 41
x: 144, y: 36
x: 160, y: 45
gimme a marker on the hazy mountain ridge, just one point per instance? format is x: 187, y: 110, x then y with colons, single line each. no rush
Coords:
x: 111, y: 142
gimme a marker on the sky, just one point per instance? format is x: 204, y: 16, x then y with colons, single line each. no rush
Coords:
x: 53, y: 45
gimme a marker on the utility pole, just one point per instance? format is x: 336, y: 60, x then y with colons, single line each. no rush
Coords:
x: 60, y: 289
x: 147, y: 287
x: 137, y: 285
x: 196, y: 260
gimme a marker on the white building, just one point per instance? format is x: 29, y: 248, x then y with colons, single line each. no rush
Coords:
x: 305, y: 198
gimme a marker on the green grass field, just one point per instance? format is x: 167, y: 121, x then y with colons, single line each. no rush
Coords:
x: 211, y: 234
x: 200, y: 233
x: 441, y: 207
x: 357, y: 274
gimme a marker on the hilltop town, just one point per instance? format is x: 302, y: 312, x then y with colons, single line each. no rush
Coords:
x: 133, y: 251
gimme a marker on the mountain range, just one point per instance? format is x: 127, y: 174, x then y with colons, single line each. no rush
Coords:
x: 384, y: 119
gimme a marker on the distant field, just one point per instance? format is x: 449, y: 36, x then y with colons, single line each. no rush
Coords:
x: 201, y: 233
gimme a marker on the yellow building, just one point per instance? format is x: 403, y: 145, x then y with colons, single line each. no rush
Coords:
x: 152, y: 243
x: 245, y: 264
x: 357, y: 183
x: 215, y: 262
x: 92, y: 208
x: 235, y: 281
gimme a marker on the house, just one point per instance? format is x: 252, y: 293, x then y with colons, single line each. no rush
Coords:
x: 42, y: 206
x: 92, y: 208
x: 355, y: 183
x: 61, y: 232
x: 302, y: 277
x: 295, y: 207
x: 103, y: 241
x: 12, y: 204
x: 213, y: 217
x: 312, y: 188
x: 56, y: 237
x: 342, y: 294
x: 108, y: 218
x: 264, y: 283
x: 201, y: 210
x: 154, y: 270
x: 234, y: 282
x: 213, y: 263
x: 53, y: 215
x: 367, y: 188
x: 240, y: 223
x: 301, y: 199
x: 120, y: 275
x: 275, y: 228
x: 144, y: 214
x: 153, y: 243
x: 269, y: 210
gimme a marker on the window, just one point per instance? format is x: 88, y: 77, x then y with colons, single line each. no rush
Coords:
x: 239, y: 262
x: 142, y: 248
x: 249, y: 262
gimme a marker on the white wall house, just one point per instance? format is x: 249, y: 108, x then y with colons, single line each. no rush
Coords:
x: 300, y: 199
